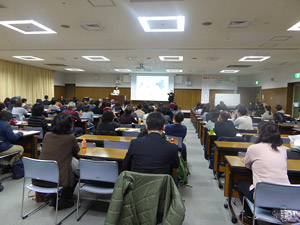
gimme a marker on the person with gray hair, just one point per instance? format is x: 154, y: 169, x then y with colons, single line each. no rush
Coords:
x: 75, y: 118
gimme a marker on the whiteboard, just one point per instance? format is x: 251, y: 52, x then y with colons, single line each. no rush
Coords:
x: 231, y: 100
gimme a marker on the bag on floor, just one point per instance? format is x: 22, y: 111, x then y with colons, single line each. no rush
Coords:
x: 286, y: 215
x: 182, y: 172
x: 18, y: 169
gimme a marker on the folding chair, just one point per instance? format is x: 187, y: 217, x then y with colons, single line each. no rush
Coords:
x: 127, y: 133
x: 273, y: 196
x: 46, y: 170
x: 116, y: 144
x: 90, y: 170
x: 293, y: 153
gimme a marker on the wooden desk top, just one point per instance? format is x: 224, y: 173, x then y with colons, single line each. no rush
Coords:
x: 288, y: 125
x: 27, y: 133
x: 236, y: 161
x: 103, y: 153
x: 90, y: 137
x: 238, y: 145
x: 249, y: 134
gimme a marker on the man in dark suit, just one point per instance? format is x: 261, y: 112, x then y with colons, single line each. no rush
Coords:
x: 224, y: 127
x: 152, y: 153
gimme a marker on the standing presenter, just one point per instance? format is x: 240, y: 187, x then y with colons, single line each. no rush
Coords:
x: 171, y: 96
x: 116, y: 91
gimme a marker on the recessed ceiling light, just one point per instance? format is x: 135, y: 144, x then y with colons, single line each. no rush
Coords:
x: 254, y: 58
x: 123, y: 70
x: 174, y: 70
x: 162, y: 23
x: 171, y: 58
x: 296, y: 27
x: 74, y: 69
x: 96, y: 58
x: 27, y: 27
x: 229, y: 71
x: 28, y: 58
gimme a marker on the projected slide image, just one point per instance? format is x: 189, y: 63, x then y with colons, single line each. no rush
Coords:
x: 152, y: 87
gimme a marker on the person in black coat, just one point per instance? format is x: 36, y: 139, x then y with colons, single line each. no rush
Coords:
x: 225, y: 127
x: 152, y: 153
x: 171, y: 96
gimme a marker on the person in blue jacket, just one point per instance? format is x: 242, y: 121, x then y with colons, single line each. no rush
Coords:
x: 6, y: 136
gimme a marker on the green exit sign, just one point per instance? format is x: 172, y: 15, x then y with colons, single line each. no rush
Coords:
x: 297, y: 75
x: 257, y: 82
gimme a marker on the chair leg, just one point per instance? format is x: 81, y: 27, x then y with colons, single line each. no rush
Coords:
x: 87, y: 209
x: 56, y: 206
x: 78, y: 199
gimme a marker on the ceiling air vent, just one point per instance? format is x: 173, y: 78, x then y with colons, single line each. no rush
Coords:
x: 92, y: 27
x: 239, y: 66
x: 101, y: 3
x: 239, y: 23
x: 55, y: 64
x: 155, y: 0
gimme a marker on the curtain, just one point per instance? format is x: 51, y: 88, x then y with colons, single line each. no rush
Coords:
x: 25, y: 81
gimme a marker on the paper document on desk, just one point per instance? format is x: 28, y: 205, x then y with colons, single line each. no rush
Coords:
x: 27, y: 132
x: 239, y: 135
x: 295, y: 141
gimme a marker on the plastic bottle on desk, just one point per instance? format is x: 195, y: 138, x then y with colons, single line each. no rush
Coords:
x: 211, y: 131
x: 83, y: 145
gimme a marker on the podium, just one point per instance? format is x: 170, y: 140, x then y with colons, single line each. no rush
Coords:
x: 119, y: 98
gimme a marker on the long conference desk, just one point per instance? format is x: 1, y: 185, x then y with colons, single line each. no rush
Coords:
x: 28, y: 141
x: 236, y: 172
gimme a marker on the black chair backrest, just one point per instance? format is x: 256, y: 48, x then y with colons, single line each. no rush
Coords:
x: 293, y: 153
x: 232, y: 139
x: 246, y: 131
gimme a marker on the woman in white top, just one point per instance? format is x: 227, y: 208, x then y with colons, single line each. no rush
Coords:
x: 268, y: 115
x: 18, y: 110
x: 267, y: 159
x: 116, y: 91
x: 243, y: 121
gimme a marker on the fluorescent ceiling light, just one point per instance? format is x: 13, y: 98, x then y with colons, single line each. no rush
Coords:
x: 74, y: 69
x: 28, y: 58
x: 179, y: 20
x: 123, y: 70
x: 254, y: 58
x: 96, y: 58
x: 171, y: 58
x: 229, y: 71
x: 174, y: 70
x: 42, y: 29
x: 296, y: 27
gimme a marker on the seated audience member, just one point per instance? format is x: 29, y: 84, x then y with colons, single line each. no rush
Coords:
x: 150, y: 110
x: 108, y: 124
x: 167, y: 114
x: 225, y: 127
x: 55, y: 105
x: 90, y: 116
x: 2, y: 107
x: 92, y: 104
x: 46, y: 101
x: 39, y: 101
x: 24, y: 104
x: 80, y: 107
x: 259, y: 110
x: 268, y: 115
x: 279, y: 114
x: 139, y: 112
x: 117, y: 107
x: 126, y: 102
x: 37, y: 119
x: 7, y: 135
x: 223, y: 106
x: 267, y: 159
x: 98, y: 109
x: 7, y: 102
x: 178, y: 130
x: 66, y: 148
x: 243, y: 121
x: 152, y: 153
x: 12, y: 104
x: 112, y: 103
x: 145, y: 109
x: 65, y: 105
x: 107, y: 106
x: 213, y: 115
x: 151, y: 104
x: 75, y: 118
x: 127, y: 118
x: 18, y: 110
